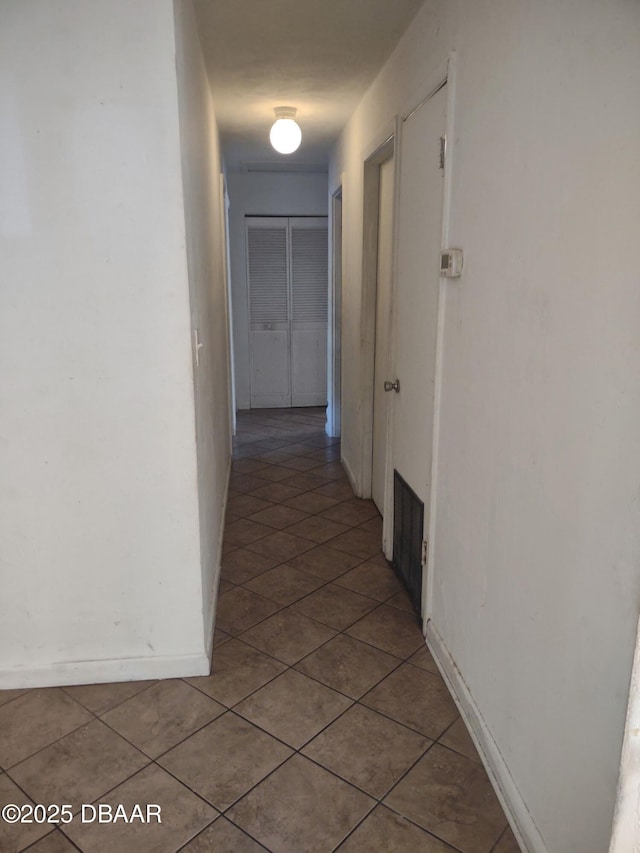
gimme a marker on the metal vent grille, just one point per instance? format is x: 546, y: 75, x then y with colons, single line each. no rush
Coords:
x: 309, y: 279
x: 408, y: 527
x: 267, y: 250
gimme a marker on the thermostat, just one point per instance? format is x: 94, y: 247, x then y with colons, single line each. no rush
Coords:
x: 451, y: 263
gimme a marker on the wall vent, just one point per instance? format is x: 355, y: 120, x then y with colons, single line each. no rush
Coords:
x: 408, y: 526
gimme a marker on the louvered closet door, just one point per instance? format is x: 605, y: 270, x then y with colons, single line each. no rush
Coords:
x: 309, y: 305
x: 269, y: 330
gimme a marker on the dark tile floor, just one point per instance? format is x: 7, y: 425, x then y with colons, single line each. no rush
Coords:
x: 325, y: 724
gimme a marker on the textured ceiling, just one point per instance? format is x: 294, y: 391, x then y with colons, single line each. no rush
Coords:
x: 316, y: 55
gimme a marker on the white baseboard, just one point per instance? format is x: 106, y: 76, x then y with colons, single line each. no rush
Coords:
x: 210, y: 627
x: 350, y: 474
x: 60, y: 674
x: 514, y: 806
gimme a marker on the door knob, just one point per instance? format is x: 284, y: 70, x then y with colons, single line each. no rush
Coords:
x: 392, y: 386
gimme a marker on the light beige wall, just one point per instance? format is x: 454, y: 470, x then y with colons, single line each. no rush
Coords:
x: 100, y: 557
x: 535, y: 584
x: 205, y: 233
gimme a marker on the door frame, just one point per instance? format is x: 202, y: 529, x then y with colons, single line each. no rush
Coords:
x: 381, y: 402
x: 448, y: 79
x: 371, y: 201
x: 226, y: 252
x: 334, y: 328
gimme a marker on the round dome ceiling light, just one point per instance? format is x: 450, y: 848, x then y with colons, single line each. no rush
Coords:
x: 285, y: 133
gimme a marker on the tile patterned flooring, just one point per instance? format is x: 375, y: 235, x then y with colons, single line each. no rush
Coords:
x: 325, y: 724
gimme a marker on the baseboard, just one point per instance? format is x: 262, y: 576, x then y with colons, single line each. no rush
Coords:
x: 63, y: 673
x: 210, y: 627
x: 350, y: 475
x: 514, y: 806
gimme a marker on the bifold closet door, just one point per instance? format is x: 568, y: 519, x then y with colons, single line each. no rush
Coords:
x: 287, y: 269
x: 269, y: 328
x: 309, y: 307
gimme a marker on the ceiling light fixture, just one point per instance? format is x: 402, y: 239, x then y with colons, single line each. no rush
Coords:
x: 285, y: 133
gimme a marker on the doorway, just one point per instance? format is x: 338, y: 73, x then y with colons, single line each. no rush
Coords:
x: 287, y: 280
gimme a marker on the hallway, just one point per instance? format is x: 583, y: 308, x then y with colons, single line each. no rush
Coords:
x: 136, y: 147
x: 325, y: 717
x: 316, y: 630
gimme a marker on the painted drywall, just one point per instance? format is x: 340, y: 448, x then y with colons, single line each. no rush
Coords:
x: 206, y: 247
x: 537, y: 520
x: 262, y: 194
x: 100, y: 558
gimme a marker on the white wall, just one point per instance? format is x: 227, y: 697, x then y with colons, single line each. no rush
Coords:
x: 262, y: 194
x: 100, y: 562
x: 206, y: 246
x: 537, y: 529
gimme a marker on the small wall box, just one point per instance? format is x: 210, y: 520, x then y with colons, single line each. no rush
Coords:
x: 451, y: 263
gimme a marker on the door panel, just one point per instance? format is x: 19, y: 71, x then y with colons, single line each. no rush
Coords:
x: 270, y: 380
x: 267, y: 264
x: 309, y: 307
x: 383, y: 311
x: 416, y: 308
x: 309, y: 366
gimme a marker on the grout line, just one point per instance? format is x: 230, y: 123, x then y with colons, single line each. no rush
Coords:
x: 198, y: 833
x: 235, y: 825
x: 255, y: 785
x: 151, y: 681
x: 15, y: 698
x: 8, y: 770
x: 500, y: 837
x: 222, y: 811
x: 252, y: 692
x: 152, y: 763
x: 294, y: 666
x: 48, y: 834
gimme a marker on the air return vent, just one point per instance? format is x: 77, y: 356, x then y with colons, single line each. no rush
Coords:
x: 408, y: 527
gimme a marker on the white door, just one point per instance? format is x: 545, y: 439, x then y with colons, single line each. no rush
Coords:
x: 383, y: 312
x: 416, y: 295
x: 287, y: 271
x: 309, y: 307
x: 268, y: 277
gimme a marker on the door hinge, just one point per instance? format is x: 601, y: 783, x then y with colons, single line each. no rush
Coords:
x: 425, y: 551
x: 443, y: 151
